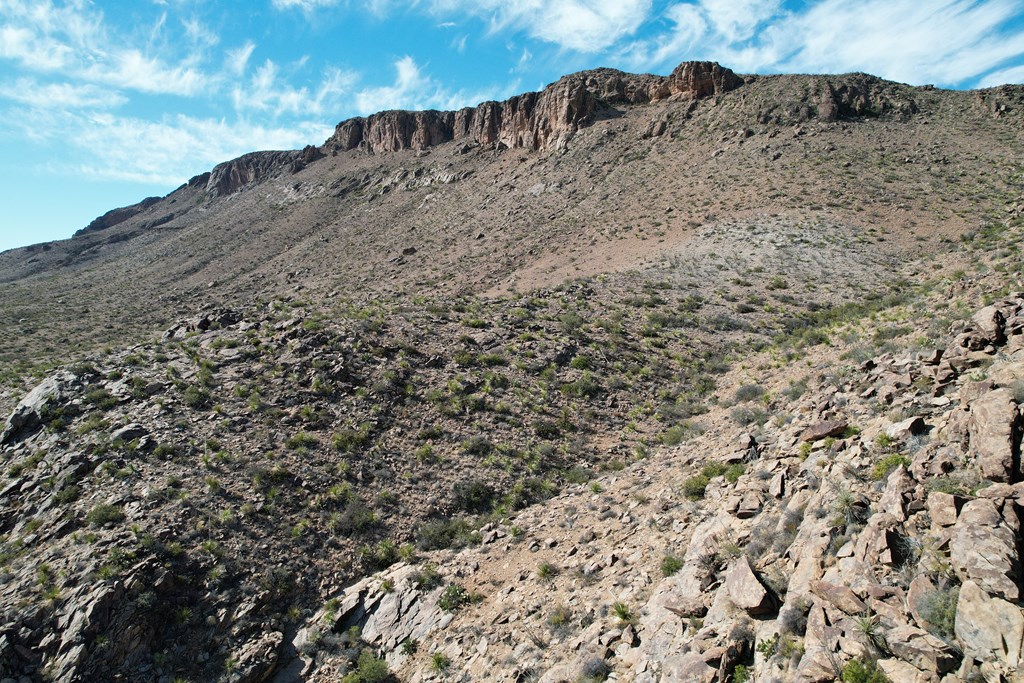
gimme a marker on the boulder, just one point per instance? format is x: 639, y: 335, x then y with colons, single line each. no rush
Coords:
x: 990, y: 629
x: 994, y: 430
x: 746, y: 590
x: 840, y: 597
x: 983, y: 549
x: 912, y: 426
x: 921, y: 649
x: 28, y: 414
x: 943, y: 508
x: 687, y: 668
x: 825, y: 429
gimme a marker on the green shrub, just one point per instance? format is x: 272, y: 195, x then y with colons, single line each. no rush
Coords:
x: 440, y: 662
x: 749, y: 392
x: 196, y: 397
x: 104, y: 513
x: 624, y: 613
x: 300, y: 441
x: 478, y: 445
x: 695, y: 486
x: 883, y: 467
x: 734, y: 472
x: 547, y: 571
x: 450, y: 533
x: 856, y: 671
x: 938, y: 609
x: 369, y: 669
x: 454, y: 598
x: 670, y: 564
x: 472, y: 496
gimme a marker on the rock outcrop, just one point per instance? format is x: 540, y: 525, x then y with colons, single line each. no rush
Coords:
x: 116, y: 216
x: 535, y: 120
x: 231, y: 176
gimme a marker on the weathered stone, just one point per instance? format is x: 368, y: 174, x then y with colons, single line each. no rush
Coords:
x: 745, y: 589
x: 687, y: 668
x: 912, y: 426
x: 983, y: 549
x: 990, y: 629
x: 921, y: 649
x: 821, y: 430
x: 841, y: 597
x: 28, y: 413
x: 943, y: 508
x: 994, y: 430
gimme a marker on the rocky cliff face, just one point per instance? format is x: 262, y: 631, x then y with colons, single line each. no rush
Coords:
x: 119, y: 215
x: 535, y: 120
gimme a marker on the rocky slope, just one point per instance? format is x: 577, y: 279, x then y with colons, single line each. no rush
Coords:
x: 681, y: 378
x: 633, y: 186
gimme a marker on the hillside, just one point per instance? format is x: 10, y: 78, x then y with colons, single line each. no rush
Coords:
x: 696, y: 377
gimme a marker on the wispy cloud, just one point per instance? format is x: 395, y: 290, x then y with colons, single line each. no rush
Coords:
x: 572, y: 24
x: 413, y: 88
x: 304, y: 5
x: 946, y: 41
x: 31, y: 92
x: 267, y: 91
x: 71, y: 40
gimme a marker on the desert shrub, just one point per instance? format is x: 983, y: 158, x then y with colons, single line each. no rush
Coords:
x: 594, y: 670
x: 857, y: 671
x: 368, y: 669
x: 196, y: 397
x: 749, y: 392
x: 743, y: 415
x: 446, y: 533
x: 352, y: 440
x: 427, y: 577
x: 301, y: 440
x: 695, y: 486
x: 472, y: 496
x: 354, y: 518
x: 104, y: 513
x: 733, y: 473
x: 585, y: 387
x: 670, y: 564
x: 101, y: 398
x: 546, y: 429
x: 454, y: 598
x: 624, y: 613
x: 883, y: 467
x: 676, y: 434
x: 478, y: 445
x: 440, y: 661
x: 938, y: 609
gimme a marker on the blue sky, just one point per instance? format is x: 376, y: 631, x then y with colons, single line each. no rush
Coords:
x: 103, y: 103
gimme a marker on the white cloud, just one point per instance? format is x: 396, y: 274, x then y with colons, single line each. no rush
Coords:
x: 945, y: 41
x: 31, y: 92
x: 266, y: 91
x: 413, y: 89
x: 1004, y: 76
x: 238, y: 59
x: 72, y: 41
x: 171, y: 150
x: 304, y: 5
x: 585, y: 26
